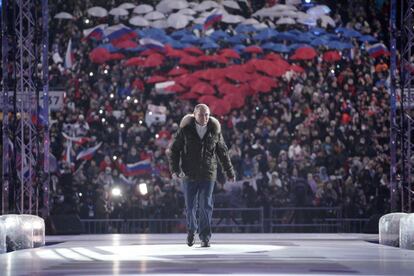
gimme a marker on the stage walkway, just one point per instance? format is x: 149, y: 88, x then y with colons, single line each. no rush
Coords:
x: 229, y: 254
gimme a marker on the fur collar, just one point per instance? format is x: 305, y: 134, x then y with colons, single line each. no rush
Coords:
x: 189, y: 118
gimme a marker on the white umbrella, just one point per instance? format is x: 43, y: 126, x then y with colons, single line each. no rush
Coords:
x: 283, y: 7
x: 260, y: 26
x: 118, y: 12
x: 286, y: 20
x: 232, y: 19
x: 309, y: 20
x: 250, y: 21
x: 63, y: 15
x: 264, y: 12
x: 206, y: 5
x: 164, y: 6
x: 231, y: 4
x: 154, y: 15
x: 327, y: 20
x: 139, y: 21
x: 143, y: 9
x: 97, y: 12
x: 127, y: 6
x: 177, y: 5
x: 293, y: 2
x: 187, y: 11
x: 160, y: 24
x: 319, y: 10
x: 178, y: 21
x: 288, y: 13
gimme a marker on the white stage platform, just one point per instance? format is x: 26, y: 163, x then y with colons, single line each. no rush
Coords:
x: 229, y: 254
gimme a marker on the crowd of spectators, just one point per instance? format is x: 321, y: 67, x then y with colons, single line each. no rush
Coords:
x: 319, y: 139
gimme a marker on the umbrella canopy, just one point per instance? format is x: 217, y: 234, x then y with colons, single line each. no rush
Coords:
x: 268, y: 67
x: 207, y: 99
x: 154, y: 60
x: 159, y: 24
x: 178, y: 21
x: 176, y: 88
x: 156, y: 79
x: 193, y: 51
x: 202, y: 88
x: 229, y: 53
x: 231, y: 4
x: 297, y: 68
x: 262, y: 84
x: 187, y: 11
x: 97, y: 12
x: 206, y: 5
x: 99, y: 55
x: 154, y: 15
x: 331, y: 56
x: 118, y: 12
x: 189, y: 96
x: 143, y: 9
x: 237, y: 75
x: 220, y: 107
x: 125, y: 44
x: 177, y: 71
x: 227, y: 88
x: 253, y: 49
x: 304, y: 53
x: 327, y: 20
x: 367, y: 38
x: 63, y: 15
x: 127, y: 6
x: 235, y: 100
x: 187, y: 80
x: 177, y: 5
x: 318, y: 10
x: 139, y: 21
x: 189, y: 60
x: 135, y: 61
x: 286, y: 20
x: 232, y: 19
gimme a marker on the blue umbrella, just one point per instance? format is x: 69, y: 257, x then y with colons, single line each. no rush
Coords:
x: 205, y: 40
x: 338, y: 45
x: 340, y: 29
x: 150, y: 32
x: 197, y: 27
x: 286, y: 36
x: 180, y: 33
x: 367, y: 38
x: 351, y: 33
x: 319, y: 42
x: 329, y: 37
x: 237, y: 39
x: 276, y: 47
x: 210, y: 45
x: 305, y: 37
x: 317, y: 31
x: 178, y: 45
x: 266, y: 34
x: 241, y: 28
x: 192, y: 39
x: 295, y: 46
x: 139, y: 48
x: 217, y: 35
x: 239, y: 48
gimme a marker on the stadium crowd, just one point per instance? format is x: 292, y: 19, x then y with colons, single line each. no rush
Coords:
x: 320, y: 138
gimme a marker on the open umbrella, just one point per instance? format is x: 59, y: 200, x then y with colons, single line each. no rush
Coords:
x: 186, y: 80
x: 207, y: 99
x: 127, y: 6
x: 177, y: 4
x: 189, y: 96
x: 220, y: 107
x: 176, y: 88
x: 97, y: 12
x: 211, y: 74
x: 268, y: 67
x: 154, y: 60
x: 177, y: 71
x: 135, y: 61
x: 187, y: 11
x: 193, y: 51
x: 159, y: 24
x: 262, y: 84
x: 327, y: 20
x: 125, y: 44
x: 189, y: 60
x: 236, y: 100
x: 232, y: 19
x: 229, y: 53
x: 286, y: 21
x: 63, y: 15
x: 203, y: 88
x: 156, y: 79
x: 231, y: 4
x: 178, y: 21
x: 154, y: 15
x: 296, y: 68
x: 118, y: 12
x: 206, y: 5
x: 227, y: 88
x: 253, y: 49
x: 318, y: 10
x: 139, y: 21
x: 143, y: 9
x: 237, y: 75
x: 304, y: 53
x: 331, y: 56
x: 99, y: 55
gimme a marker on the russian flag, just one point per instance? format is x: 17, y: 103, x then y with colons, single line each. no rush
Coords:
x: 69, y: 56
x: 77, y: 140
x: 378, y: 49
x: 210, y: 20
x: 139, y: 168
x: 95, y: 33
x: 87, y: 154
x: 152, y: 44
x: 119, y: 32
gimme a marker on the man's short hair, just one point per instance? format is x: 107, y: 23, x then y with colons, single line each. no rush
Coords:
x: 201, y: 106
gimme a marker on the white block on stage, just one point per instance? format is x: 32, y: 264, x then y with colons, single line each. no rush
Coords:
x: 389, y: 229
x: 23, y: 231
x: 407, y: 232
x: 3, y: 247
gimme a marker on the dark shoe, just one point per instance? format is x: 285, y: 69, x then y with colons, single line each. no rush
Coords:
x: 190, y: 239
x: 205, y: 243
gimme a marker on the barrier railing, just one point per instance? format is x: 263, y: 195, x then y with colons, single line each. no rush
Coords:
x: 240, y: 220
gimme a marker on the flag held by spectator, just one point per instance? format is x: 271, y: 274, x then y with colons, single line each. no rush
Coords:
x: 69, y: 56
x: 139, y: 168
x: 152, y: 44
x: 95, y: 33
x: 87, y: 154
x: 118, y: 33
x: 210, y: 20
x: 378, y: 49
x: 78, y: 140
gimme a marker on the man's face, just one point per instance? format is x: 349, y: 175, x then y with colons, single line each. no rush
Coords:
x: 202, y: 116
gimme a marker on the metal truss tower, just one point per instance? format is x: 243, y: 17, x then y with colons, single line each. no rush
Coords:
x: 25, y: 147
x: 406, y: 119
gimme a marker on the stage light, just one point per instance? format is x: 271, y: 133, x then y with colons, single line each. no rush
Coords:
x: 143, y: 189
x: 308, y: 1
x: 122, y: 125
x: 91, y: 74
x: 87, y: 21
x: 100, y: 111
x: 157, y: 136
x: 105, y: 71
x: 111, y: 95
x: 80, y: 194
x: 140, y: 122
x: 116, y: 191
x: 114, y: 157
x: 103, y: 120
x: 332, y: 71
x: 150, y: 113
x: 136, y: 101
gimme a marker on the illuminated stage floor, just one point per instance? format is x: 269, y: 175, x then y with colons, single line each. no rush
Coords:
x: 230, y: 254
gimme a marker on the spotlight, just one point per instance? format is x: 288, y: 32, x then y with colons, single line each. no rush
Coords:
x: 105, y: 71
x: 136, y: 101
x: 103, y: 120
x: 116, y: 191
x: 150, y: 113
x: 332, y: 71
x: 91, y: 74
x: 114, y: 157
x: 143, y: 188
x: 156, y: 136
x: 140, y: 122
x: 128, y: 98
x: 80, y: 194
x: 100, y: 111
x: 122, y: 125
x: 111, y: 95
x: 87, y: 21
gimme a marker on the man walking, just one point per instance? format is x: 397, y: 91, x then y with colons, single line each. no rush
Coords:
x: 193, y: 156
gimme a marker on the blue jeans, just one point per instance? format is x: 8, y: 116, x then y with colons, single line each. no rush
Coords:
x: 199, y: 195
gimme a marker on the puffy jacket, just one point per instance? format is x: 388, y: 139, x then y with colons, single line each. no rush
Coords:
x: 195, y: 157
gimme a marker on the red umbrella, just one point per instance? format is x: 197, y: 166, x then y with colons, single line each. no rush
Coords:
x: 125, y: 44
x: 135, y: 61
x: 116, y: 56
x: 230, y: 53
x: 171, y: 52
x: 268, y: 67
x: 273, y: 56
x: 194, y: 51
x: 237, y: 75
x: 177, y: 71
x: 189, y: 60
x: 220, y: 107
x: 235, y: 100
x: 262, y: 84
x: 189, y: 96
x: 210, y: 74
x: 331, y: 56
x: 148, y: 52
x: 253, y: 49
x: 176, y: 88
x: 202, y: 87
x: 207, y: 99
x: 304, y: 53
x: 228, y: 88
x: 154, y: 60
x: 155, y: 79
x: 187, y: 80
x: 297, y: 68
x: 219, y: 81
x: 99, y: 55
